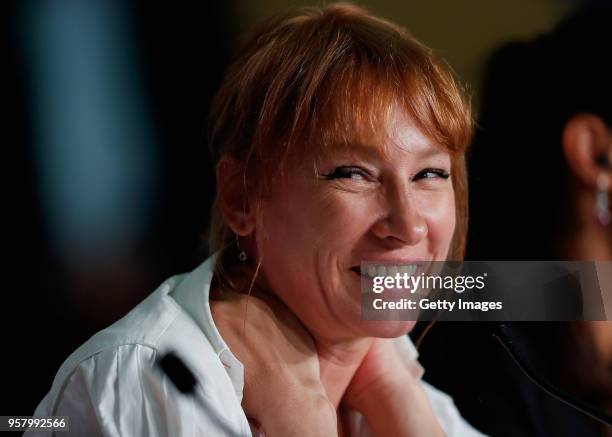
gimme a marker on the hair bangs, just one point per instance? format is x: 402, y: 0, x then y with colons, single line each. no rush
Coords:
x: 362, y: 81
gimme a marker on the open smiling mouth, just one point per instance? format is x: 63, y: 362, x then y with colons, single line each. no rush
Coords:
x: 402, y: 278
x: 372, y: 270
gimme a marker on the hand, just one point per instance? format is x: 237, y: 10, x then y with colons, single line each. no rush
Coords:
x: 283, y: 392
x: 387, y: 394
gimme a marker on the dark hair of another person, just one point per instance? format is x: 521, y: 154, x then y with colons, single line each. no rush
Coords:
x: 519, y: 180
x: 520, y: 198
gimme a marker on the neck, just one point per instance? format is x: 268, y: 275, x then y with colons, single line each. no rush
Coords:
x: 589, y: 240
x: 338, y: 362
x: 589, y: 245
x: 602, y: 335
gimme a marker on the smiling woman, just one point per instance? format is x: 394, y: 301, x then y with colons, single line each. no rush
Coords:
x: 395, y: 202
x: 338, y: 139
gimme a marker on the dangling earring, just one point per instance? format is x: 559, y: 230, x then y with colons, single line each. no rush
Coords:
x: 602, y: 201
x: 241, y: 253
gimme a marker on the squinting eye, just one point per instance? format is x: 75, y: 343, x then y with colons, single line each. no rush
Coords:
x: 430, y: 173
x: 347, y: 172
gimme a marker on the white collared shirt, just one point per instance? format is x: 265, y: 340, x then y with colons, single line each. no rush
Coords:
x: 111, y: 386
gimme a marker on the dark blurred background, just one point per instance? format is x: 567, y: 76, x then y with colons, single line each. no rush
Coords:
x: 108, y: 177
x: 107, y: 169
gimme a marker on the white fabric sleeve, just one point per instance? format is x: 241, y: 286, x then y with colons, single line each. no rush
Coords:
x: 118, y: 393
x: 450, y: 420
x: 442, y: 404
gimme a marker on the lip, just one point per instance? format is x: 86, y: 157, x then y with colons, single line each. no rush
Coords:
x: 368, y: 268
x: 392, y: 262
x: 421, y: 266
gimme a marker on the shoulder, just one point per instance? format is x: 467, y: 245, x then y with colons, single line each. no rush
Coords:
x: 144, y: 328
x: 111, y: 385
x: 114, y: 372
x: 119, y: 391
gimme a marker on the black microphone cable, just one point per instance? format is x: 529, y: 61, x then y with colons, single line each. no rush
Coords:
x: 502, y: 333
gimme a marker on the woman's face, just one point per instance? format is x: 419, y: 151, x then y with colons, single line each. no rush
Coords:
x: 391, y: 202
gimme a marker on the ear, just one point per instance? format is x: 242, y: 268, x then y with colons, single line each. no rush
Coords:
x: 586, y: 138
x: 232, y: 196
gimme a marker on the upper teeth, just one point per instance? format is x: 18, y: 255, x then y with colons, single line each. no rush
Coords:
x: 372, y: 270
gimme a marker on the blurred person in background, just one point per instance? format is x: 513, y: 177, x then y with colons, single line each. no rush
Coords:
x: 540, y: 182
x: 338, y: 138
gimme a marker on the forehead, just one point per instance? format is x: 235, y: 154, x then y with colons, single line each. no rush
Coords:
x: 396, y: 135
x: 403, y: 133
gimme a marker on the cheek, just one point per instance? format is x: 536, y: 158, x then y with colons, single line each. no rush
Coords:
x: 441, y: 220
x: 343, y: 217
x: 310, y: 223
x: 302, y: 238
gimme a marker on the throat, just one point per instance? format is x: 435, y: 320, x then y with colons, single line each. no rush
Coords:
x: 337, y: 364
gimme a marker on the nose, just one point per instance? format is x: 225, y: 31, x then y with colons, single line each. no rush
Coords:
x: 403, y: 222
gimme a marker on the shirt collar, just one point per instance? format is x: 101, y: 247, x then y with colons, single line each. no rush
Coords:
x: 192, y: 294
